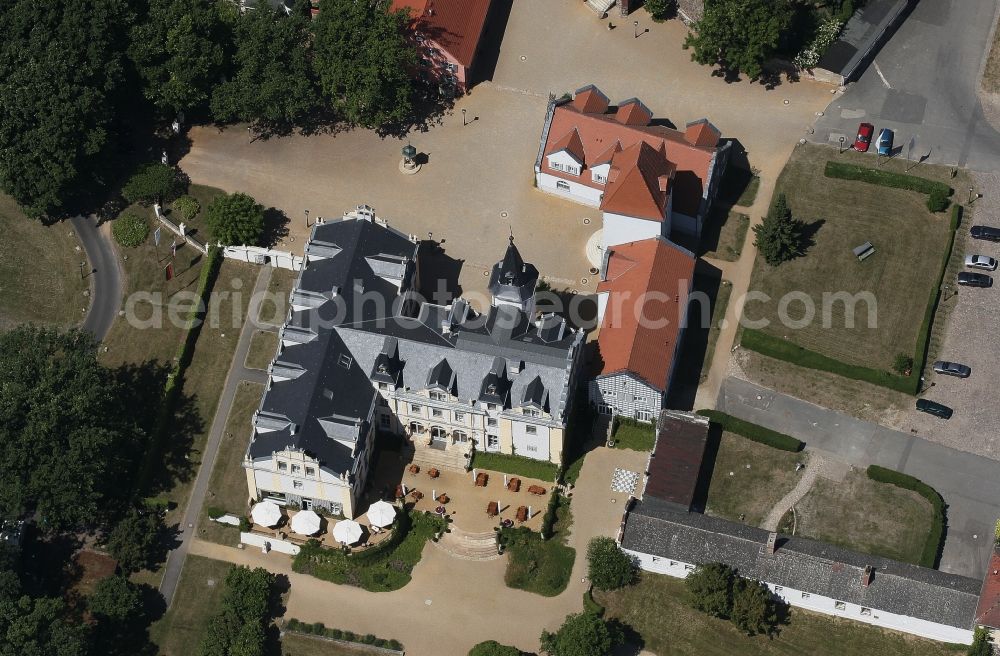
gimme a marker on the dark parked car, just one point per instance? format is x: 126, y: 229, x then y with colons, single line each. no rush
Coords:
x: 974, y: 279
x: 864, y: 140
x: 885, y: 142
x: 985, y: 232
x: 934, y: 408
x: 952, y: 369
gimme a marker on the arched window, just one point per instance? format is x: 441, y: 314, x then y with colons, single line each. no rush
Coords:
x: 416, y: 428
x: 438, y: 433
x: 461, y: 436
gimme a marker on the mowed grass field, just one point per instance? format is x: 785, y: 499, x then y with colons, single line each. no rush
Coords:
x: 749, y: 479
x: 40, y: 279
x: 656, y: 608
x: 910, y: 244
x: 198, y: 597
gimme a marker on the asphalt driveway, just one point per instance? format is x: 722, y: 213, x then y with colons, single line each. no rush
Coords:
x: 923, y: 84
x: 969, y: 484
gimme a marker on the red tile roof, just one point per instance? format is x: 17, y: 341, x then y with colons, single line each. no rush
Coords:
x: 571, y: 143
x: 647, y: 279
x: 988, y: 612
x: 600, y: 130
x: 455, y: 25
x: 633, y: 112
x: 675, y: 464
x: 702, y: 133
x: 634, y: 182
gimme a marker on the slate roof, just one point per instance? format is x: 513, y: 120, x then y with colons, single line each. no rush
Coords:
x: 654, y: 273
x: 599, y: 126
x: 349, y: 327
x: 654, y: 527
x: 512, y: 279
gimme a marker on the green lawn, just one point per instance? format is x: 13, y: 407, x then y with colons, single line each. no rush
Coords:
x: 263, y: 346
x: 40, y: 275
x: 910, y: 243
x: 864, y: 515
x: 749, y: 478
x: 294, y: 644
x: 199, y: 593
x: 719, y: 307
x: 228, y: 485
x: 656, y: 609
x: 542, y: 470
x: 274, y: 306
x: 381, y: 569
x: 637, y: 437
x: 725, y: 235
x: 540, y: 566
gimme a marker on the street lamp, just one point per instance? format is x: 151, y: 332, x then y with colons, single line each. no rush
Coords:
x: 463, y: 117
x: 409, y: 164
x: 971, y: 189
x: 842, y: 139
x: 307, y: 218
x: 635, y: 25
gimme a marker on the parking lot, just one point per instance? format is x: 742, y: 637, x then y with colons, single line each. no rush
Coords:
x: 970, y: 338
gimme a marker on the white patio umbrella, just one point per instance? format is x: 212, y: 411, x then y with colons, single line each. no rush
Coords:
x: 306, y: 522
x: 381, y: 514
x: 266, y: 513
x: 347, y: 531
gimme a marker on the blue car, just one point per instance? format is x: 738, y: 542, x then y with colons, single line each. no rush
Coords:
x: 885, y: 142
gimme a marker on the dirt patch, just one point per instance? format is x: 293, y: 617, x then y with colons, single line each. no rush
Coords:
x: 92, y: 567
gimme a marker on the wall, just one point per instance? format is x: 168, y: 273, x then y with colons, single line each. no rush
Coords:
x: 625, y: 388
x: 577, y: 192
x: 619, y: 229
x: 257, y: 255
x: 256, y: 540
x: 825, y: 605
x: 522, y: 441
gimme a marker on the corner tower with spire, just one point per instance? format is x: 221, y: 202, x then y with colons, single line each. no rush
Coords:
x: 512, y: 281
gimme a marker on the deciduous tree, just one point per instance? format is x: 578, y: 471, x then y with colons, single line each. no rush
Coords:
x: 710, y: 588
x: 364, y: 61
x: 235, y: 219
x: 739, y: 35
x: 609, y: 567
x: 134, y: 539
x: 154, y: 182
x: 61, y: 73
x: 582, y: 634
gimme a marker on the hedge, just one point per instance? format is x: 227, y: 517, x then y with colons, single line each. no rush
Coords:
x: 883, y: 178
x: 319, y: 629
x: 542, y: 470
x: 549, y: 520
x: 924, y: 335
x: 935, y: 538
x: 164, y: 425
x: 753, y: 432
x: 781, y: 349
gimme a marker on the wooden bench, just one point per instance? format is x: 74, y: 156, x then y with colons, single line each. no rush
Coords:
x: 864, y: 250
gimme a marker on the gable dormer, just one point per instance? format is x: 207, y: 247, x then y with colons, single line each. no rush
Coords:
x: 442, y: 378
x: 535, y: 395
x: 496, y: 384
x: 566, y: 154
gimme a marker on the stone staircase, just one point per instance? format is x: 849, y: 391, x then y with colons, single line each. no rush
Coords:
x: 600, y: 6
x: 469, y: 546
x: 452, y: 459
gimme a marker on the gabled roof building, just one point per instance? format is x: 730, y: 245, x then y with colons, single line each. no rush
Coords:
x: 360, y: 355
x: 647, y: 178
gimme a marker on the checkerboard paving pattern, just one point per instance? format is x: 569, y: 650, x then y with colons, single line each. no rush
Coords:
x: 624, y: 481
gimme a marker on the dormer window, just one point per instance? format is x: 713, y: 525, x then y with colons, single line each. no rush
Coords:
x: 600, y: 179
x: 491, y: 389
x: 439, y: 396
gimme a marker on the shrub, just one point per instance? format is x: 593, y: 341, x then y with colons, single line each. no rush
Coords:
x: 753, y: 431
x: 350, y: 636
x: 935, y: 537
x: 152, y: 183
x: 937, y: 200
x: 659, y: 10
x: 130, y: 230
x: 187, y: 206
x: 609, y: 568
x: 395, y: 644
x: 293, y: 624
x: 582, y: 634
x: 214, y: 512
x: 549, y: 520
x: 902, y: 364
x: 318, y: 628
x: 826, y: 34
x: 336, y: 634
x: 710, y: 589
x: 245, y: 524
x: 368, y: 639
x: 884, y: 178
x: 235, y: 219
x: 494, y: 648
x: 981, y: 645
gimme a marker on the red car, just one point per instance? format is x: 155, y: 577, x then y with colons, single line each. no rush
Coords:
x: 865, y: 132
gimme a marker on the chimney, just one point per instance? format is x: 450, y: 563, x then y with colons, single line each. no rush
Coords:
x: 664, y: 180
x: 772, y: 543
x: 867, y: 576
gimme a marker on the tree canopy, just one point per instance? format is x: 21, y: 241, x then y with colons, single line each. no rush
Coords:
x: 609, y: 568
x: 271, y: 85
x: 582, y: 634
x: 153, y: 182
x: 754, y: 609
x: 39, y: 626
x: 66, y: 441
x: 134, y: 539
x: 363, y: 61
x: 235, y: 219
x: 179, y: 49
x: 739, y: 35
x: 239, y: 626
x: 710, y: 588
x: 61, y: 68
x: 494, y: 648
x: 778, y: 237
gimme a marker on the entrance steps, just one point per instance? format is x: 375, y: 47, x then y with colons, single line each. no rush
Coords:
x: 469, y: 546
x: 448, y: 459
x: 600, y: 6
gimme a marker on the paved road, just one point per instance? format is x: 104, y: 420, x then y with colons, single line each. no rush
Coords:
x: 237, y: 373
x: 923, y: 84
x: 106, y: 290
x: 969, y: 484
